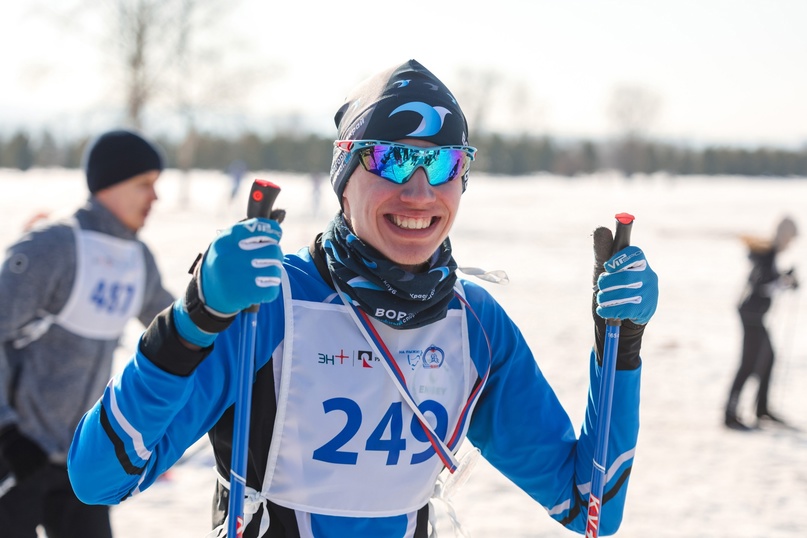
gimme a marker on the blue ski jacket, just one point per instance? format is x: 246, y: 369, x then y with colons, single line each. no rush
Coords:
x: 147, y: 417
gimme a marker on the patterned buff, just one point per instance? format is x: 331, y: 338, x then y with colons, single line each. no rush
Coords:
x: 383, y: 290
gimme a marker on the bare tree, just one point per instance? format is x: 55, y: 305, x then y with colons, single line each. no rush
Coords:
x: 174, y: 55
x: 169, y: 60
x: 474, y: 92
x: 633, y: 110
x: 527, y: 116
x: 135, y: 23
x: 162, y: 58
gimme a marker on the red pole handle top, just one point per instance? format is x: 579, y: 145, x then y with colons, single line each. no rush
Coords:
x: 624, y: 224
x: 266, y: 183
x: 624, y: 218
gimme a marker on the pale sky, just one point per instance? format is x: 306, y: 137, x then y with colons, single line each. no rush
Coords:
x: 724, y: 71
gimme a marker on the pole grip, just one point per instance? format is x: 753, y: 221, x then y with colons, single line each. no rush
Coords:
x: 262, y: 198
x: 624, y: 225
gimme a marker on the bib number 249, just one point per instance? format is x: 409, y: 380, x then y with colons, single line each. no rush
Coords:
x: 387, y: 436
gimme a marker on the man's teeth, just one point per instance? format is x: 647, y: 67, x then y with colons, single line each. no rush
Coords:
x: 412, y: 223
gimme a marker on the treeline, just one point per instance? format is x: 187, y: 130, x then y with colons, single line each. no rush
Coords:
x: 498, y: 154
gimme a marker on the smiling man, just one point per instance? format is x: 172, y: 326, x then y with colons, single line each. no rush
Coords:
x: 373, y: 360
x: 67, y: 290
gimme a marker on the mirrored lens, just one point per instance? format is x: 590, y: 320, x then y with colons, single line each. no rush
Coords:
x: 398, y: 163
x: 394, y: 163
x: 447, y: 165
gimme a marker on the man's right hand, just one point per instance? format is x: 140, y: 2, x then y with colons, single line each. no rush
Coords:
x: 242, y: 267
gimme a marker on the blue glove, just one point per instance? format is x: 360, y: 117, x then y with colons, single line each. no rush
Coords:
x: 628, y: 288
x: 241, y: 268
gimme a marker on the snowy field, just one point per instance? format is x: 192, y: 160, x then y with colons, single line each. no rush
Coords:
x: 692, y: 477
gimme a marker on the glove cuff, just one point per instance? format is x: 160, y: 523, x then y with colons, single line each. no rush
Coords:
x: 162, y: 345
x: 630, y: 342
x: 188, y: 329
x: 201, y: 316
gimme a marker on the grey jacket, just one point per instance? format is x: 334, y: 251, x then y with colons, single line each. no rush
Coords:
x: 46, y: 386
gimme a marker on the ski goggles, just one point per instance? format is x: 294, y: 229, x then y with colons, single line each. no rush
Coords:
x: 397, y: 162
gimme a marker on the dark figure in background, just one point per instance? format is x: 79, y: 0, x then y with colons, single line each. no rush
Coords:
x: 317, y: 179
x: 236, y: 170
x: 757, y: 354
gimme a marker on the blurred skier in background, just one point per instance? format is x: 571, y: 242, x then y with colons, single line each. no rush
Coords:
x: 67, y: 289
x: 236, y: 171
x: 757, y: 355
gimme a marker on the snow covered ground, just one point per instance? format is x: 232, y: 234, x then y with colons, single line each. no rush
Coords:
x: 692, y: 477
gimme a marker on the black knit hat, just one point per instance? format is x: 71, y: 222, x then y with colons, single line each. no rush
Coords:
x: 118, y: 155
x: 405, y: 101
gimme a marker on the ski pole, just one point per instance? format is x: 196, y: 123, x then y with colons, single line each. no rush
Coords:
x: 624, y: 223
x: 261, y: 198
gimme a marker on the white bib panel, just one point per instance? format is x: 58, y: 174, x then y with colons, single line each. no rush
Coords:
x: 108, y: 288
x: 345, y: 443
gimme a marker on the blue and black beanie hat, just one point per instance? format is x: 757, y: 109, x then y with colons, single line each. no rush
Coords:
x: 406, y: 101
x: 118, y: 155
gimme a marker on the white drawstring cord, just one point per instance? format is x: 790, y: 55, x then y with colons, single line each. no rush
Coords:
x: 252, y: 501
